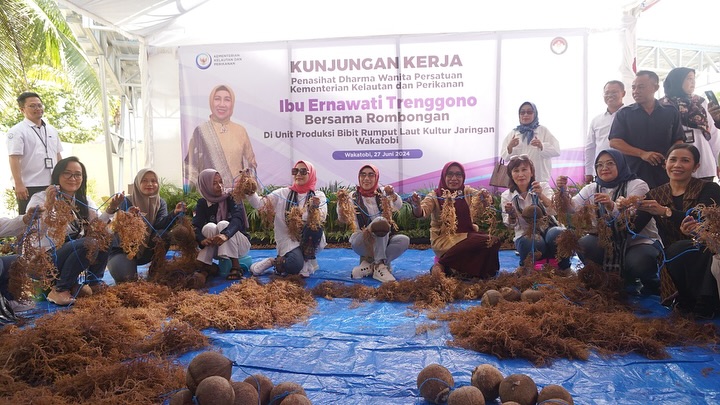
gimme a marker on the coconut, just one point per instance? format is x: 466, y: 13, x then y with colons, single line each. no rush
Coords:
x: 510, y: 403
x: 510, y: 293
x: 487, y: 379
x: 531, y: 295
x: 207, y: 364
x: 215, y: 390
x: 532, y: 213
x: 554, y: 391
x: 434, y: 383
x: 490, y: 298
x: 182, y: 397
x: 263, y: 385
x: 296, y: 399
x: 245, y: 393
x: 519, y: 388
x: 196, y: 281
x: 467, y: 395
x: 283, y: 390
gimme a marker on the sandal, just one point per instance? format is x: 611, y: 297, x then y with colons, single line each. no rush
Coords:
x: 235, y: 274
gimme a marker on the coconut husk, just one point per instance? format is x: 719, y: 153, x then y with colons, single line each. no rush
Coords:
x: 131, y: 230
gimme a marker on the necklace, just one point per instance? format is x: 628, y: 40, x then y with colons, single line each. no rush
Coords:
x: 223, y: 128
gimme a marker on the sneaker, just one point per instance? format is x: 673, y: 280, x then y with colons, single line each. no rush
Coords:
x: 261, y: 267
x: 21, y: 305
x: 62, y: 298
x: 365, y: 269
x: 79, y: 291
x: 382, y: 273
x: 307, y: 269
x: 380, y: 228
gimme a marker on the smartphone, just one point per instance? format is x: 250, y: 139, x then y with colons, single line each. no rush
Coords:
x: 711, y: 97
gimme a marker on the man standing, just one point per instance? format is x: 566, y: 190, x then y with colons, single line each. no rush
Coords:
x: 597, y: 136
x: 34, y: 148
x: 645, y: 130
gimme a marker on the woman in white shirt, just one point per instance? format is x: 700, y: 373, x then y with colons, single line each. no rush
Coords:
x: 295, y: 252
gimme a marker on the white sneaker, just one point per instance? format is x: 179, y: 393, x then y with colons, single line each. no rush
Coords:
x: 365, y: 269
x: 307, y: 269
x: 21, y: 305
x: 382, y: 273
x: 315, y: 265
x: 261, y: 267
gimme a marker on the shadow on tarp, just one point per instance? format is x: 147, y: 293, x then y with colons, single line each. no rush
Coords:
x: 371, y: 353
x: 352, y: 352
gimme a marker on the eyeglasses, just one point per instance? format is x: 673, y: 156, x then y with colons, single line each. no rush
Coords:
x: 71, y: 175
x: 454, y: 174
x: 34, y: 106
x: 527, y: 112
x: 303, y: 171
x: 519, y: 157
x: 609, y: 164
x: 370, y: 175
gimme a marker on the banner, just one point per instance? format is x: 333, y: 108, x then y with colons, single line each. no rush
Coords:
x: 406, y: 104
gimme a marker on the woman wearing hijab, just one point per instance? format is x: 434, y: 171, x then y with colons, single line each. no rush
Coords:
x: 220, y: 225
x: 519, y: 213
x: 632, y: 257
x: 464, y: 251
x: 698, y: 125
x: 534, y: 140
x: 373, y: 238
x: 69, y: 179
x: 296, y: 249
x: 144, y: 198
x: 219, y: 143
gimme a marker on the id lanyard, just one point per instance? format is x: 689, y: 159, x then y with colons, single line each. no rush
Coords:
x: 48, y: 159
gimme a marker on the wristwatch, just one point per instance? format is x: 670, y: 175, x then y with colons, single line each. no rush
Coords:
x: 668, y: 212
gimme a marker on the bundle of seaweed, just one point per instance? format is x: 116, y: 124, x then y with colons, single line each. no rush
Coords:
x: 562, y: 203
x: 246, y: 305
x: 59, y: 212
x: 99, y: 238
x: 483, y: 211
x: 131, y: 230
x: 707, y: 232
x: 178, y: 272
x: 559, y: 327
x: 245, y: 185
x: 267, y: 214
x: 568, y: 242
x: 386, y: 200
x: 34, y: 266
x: 448, y: 216
x: 346, y: 212
x: 293, y: 219
x: 313, y: 217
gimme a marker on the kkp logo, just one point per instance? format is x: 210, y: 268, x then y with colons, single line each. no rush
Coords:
x: 203, y: 60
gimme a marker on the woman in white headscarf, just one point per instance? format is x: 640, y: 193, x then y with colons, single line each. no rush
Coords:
x: 219, y: 143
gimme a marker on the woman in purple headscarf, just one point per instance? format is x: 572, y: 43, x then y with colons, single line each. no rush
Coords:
x: 220, y: 225
x: 463, y: 251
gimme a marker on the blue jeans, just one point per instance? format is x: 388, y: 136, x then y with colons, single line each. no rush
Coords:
x: 71, y: 260
x: 546, y: 245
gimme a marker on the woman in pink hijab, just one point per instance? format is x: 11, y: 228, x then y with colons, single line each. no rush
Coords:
x: 295, y: 253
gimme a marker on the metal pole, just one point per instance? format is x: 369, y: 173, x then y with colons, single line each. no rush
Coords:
x: 106, y: 126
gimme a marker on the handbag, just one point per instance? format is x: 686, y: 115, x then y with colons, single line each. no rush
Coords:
x: 499, y: 177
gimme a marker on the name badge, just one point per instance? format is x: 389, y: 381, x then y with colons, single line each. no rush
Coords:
x: 48, y: 163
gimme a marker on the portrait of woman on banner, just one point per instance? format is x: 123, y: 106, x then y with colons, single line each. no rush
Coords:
x: 219, y: 143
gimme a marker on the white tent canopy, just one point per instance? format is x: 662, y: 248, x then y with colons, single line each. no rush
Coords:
x: 161, y: 26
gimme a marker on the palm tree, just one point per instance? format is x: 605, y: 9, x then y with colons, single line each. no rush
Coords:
x: 34, y: 33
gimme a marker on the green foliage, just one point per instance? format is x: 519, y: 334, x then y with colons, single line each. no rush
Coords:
x: 10, y: 200
x: 64, y: 109
x: 173, y: 194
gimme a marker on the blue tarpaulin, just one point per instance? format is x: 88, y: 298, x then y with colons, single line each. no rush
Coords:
x: 352, y: 352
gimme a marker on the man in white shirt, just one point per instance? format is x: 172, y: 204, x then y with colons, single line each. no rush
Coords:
x: 597, y: 136
x: 34, y: 148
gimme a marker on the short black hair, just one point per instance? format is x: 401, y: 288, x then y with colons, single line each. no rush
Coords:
x: 618, y: 82
x: 26, y: 95
x: 687, y: 146
x: 649, y: 73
